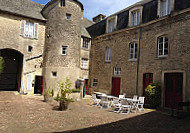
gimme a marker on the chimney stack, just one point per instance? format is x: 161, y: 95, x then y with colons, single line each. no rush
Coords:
x: 99, y: 18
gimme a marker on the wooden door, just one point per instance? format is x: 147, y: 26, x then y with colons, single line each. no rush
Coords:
x: 116, y: 86
x: 173, y: 89
x: 38, y: 88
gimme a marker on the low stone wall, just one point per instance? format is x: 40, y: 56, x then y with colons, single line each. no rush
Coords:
x: 74, y: 96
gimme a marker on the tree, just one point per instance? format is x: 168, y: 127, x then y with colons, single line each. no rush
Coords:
x: 1, y: 64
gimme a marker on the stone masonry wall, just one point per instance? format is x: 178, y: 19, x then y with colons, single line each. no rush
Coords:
x: 62, y: 32
x: 176, y: 28
x: 10, y: 38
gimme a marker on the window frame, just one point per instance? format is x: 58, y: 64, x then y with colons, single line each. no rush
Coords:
x: 134, y: 49
x: 94, y: 82
x: 163, y: 47
x: 137, y: 18
x: 112, y: 18
x: 117, y: 71
x: 84, y: 63
x: 169, y: 7
x: 62, y: 3
x: 133, y: 10
x: 68, y: 16
x: 66, y: 51
x: 52, y: 74
x: 108, y: 54
x: 86, y: 42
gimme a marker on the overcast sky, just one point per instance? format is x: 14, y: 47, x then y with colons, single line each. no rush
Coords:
x: 95, y: 7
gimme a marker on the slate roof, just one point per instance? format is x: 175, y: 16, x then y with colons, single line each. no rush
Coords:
x: 22, y: 7
x: 86, y: 23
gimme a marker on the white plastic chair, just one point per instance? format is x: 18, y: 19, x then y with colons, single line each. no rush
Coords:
x: 141, y: 104
x: 117, y: 105
x: 96, y: 102
x: 104, y: 102
x: 135, y: 103
x: 121, y: 96
x: 125, y: 106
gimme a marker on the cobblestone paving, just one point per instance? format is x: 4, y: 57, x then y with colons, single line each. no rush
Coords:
x: 29, y: 114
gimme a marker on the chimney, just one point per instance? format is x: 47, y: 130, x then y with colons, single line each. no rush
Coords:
x: 99, y: 18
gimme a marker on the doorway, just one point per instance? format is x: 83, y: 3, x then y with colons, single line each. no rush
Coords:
x: 116, y: 86
x: 38, y: 88
x: 173, y: 89
x: 10, y: 78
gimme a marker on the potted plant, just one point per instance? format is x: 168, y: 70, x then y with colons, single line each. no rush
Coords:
x: 64, y: 90
x: 48, y: 95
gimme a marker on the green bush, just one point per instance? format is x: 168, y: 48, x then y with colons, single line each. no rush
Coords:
x: 153, y: 94
x: 1, y: 64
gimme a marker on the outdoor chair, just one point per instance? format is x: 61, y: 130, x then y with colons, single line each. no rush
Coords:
x: 104, y: 102
x: 141, y: 104
x: 117, y: 105
x: 96, y: 102
x: 121, y: 96
x: 125, y: 106
x: 134, y: 104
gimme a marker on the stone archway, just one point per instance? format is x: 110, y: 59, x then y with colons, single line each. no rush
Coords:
x: 10, y: 79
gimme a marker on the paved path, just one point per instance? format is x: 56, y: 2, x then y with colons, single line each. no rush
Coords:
x: 29, y: 114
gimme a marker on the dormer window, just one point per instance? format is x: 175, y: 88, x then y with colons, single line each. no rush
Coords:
x: 111, y: 24
x: 135, y: 18
x: 62, y: 3
x: 165, y: 7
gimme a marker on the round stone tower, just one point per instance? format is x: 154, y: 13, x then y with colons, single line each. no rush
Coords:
x: 62, y: 43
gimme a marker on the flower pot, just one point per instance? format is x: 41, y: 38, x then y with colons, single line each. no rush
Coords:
x: 63, y: 105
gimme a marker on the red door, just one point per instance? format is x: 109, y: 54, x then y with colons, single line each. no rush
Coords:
x: 173, y: 89
x: 147, y: 79
x: 116, y: 86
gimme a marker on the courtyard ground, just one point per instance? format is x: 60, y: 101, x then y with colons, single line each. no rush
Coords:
x: 29, y: 114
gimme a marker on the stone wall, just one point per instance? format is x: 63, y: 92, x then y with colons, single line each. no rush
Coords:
x: 175, y: 27
x: 62, y: 32
x: 10, y: 38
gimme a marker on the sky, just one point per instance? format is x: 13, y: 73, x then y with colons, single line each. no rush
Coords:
x: 94, y: 7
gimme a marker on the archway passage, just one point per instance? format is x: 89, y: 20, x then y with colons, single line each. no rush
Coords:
x: 10, y: 79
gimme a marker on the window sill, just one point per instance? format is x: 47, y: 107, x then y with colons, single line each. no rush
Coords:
x: 85, y: 69
x: 32, y: 38
x: 162, y: 57
x: 132, y: 60
x: 107, y: 61
x: 86, y: 49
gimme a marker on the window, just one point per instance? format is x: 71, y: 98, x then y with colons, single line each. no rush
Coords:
x: 86, y: 42
x: 162, y: 46
x: 68, y: 16
x: 94, y: 82
x: 84, y: 63
x: 108, y: 54
x: 29, y: 29
x: 111, y: 25
x: 135, y: 18
x: 62, y: 3
x: 54, y: 74
x: 64, y: 50
x: 165, y: 7
x: 30, y: 48
x: 132, y: 51
x: 116, y: 71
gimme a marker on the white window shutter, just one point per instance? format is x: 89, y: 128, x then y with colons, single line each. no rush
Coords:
x: 22, y: 27
x: 36, y: 30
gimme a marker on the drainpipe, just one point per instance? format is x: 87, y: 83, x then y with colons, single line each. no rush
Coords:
x: 138, y: 60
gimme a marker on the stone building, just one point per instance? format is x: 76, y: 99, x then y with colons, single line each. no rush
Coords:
x: 42, y: 45
x: 144, y: 43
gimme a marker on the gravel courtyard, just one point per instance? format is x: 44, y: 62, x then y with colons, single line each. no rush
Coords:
x: 29, y: 114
